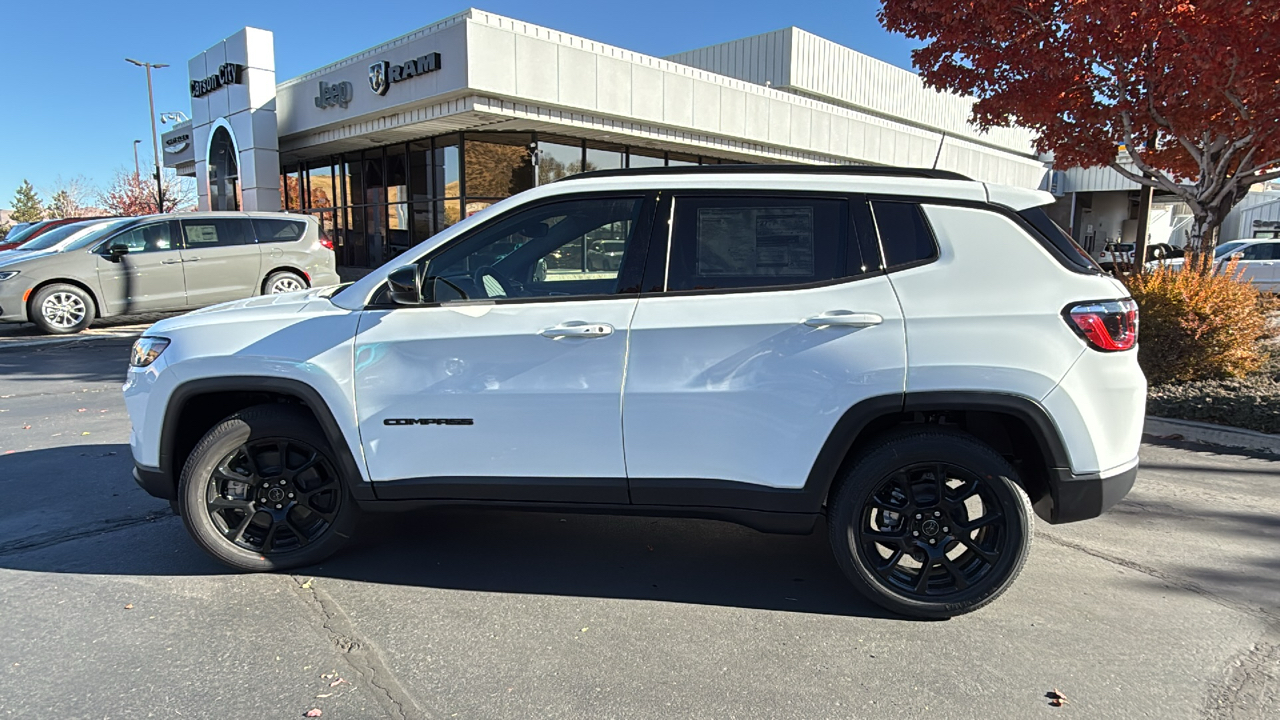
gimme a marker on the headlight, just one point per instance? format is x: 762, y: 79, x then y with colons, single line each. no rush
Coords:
x: 146, y: 350
x: 7, y: 274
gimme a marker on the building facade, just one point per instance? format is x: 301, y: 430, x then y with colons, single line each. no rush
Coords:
x: 393, y: 144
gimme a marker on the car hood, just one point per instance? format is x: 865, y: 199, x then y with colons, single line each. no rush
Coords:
x: 13, y: 257
x: 250, y: 310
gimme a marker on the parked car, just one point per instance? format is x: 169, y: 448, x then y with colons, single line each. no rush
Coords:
x: 34, y: 230
x: 1257, y: 261
x: 159, y: 263
x: 765, y: 353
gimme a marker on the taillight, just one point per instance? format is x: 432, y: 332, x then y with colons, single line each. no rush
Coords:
x: 1108, y: 325
x: 325, y: 242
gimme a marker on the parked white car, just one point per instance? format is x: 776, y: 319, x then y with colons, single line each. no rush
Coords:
x: 1257, y: 259
x: 775, y: 345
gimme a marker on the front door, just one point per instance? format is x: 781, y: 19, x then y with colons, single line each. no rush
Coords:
x: 770, y: 326
x: 507, y: 383
x: 1260, y: 265
x: 221, y: 260
x: 149, y: 277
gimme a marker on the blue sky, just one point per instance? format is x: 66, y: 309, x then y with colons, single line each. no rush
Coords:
x: 70, y: 105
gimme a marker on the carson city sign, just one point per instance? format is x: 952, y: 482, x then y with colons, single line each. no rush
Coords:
x: 382, y: 74
x: 228, y: 74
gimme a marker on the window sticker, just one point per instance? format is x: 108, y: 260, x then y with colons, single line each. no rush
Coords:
x: 202, y: 234
x: 755, y: 241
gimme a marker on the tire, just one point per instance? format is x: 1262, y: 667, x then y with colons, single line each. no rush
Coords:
x: 283, y: 281
x: 61, y: 309
x: 250, y: 511
x: 888, y: 508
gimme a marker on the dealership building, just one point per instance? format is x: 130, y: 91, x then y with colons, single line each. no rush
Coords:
x: 391, y: 145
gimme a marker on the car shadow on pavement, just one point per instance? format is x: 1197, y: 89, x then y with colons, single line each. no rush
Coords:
x: 65, y: 361
x: 92, y: 519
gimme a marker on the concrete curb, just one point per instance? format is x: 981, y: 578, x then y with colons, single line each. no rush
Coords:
x: 1212, y: 434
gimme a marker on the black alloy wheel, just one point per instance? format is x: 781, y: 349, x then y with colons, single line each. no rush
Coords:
x: 931, y: 530
x: 273, y: 496
x: 262, y: 491
x: 930, y: 523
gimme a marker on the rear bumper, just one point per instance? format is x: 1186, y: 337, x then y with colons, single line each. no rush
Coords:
x: 1080, y: 497
x: 156, y: 482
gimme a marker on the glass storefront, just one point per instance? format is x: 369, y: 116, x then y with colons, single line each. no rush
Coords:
x: 377, y: 203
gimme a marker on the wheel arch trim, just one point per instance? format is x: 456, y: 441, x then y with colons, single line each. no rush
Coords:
x: 352, y: 473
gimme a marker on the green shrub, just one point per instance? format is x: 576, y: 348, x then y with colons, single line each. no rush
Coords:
x: 1196, y: 325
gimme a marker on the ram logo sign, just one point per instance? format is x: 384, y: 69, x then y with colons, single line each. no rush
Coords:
x: 383, y: 74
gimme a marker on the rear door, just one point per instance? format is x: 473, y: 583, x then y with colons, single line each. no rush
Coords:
x: 766, y: 319
x: 149, y: 277
x: 220, y: 260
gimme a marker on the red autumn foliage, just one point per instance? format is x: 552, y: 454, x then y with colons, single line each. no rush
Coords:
x: 130, y: 194
x: 1191, y: 88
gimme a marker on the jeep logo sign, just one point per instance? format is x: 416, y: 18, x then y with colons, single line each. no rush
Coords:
x: 228, y: 74
x: 339, y: 93
x: 382, y: 74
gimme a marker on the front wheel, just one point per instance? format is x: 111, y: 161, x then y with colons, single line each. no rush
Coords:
x: 61, y: 309
x: 262, y: 491
x: 930, y: 524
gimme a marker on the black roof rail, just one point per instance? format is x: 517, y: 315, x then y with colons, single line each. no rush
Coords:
x: 748, y: 169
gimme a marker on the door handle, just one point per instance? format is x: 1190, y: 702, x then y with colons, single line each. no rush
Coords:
x: 578, y: 330
x: 191, y: 259
x: 845, y: 318
x: 170, y: 262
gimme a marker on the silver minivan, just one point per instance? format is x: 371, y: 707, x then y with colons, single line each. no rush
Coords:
x: 67, y: 277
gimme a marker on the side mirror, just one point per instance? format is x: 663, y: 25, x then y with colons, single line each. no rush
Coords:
x: 117, y: 251
x: 1237, y: 256
x: 404, y: 285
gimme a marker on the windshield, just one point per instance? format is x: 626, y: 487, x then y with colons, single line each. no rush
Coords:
x: 1226, y: 248
x: 72, y: 235
x: 19, y: 236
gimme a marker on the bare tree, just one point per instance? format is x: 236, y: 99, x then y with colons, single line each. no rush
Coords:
x: 70, y: 198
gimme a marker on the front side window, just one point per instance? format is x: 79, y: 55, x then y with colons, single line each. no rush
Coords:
x: 154, y: 237
x: 569, y: 248
x: 216, y: 232
x: 757, y: 242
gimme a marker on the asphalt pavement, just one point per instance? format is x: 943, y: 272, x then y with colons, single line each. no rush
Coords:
x: 1166, y: 607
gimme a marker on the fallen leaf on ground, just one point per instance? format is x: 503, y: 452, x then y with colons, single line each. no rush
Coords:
x: 324, y: 695
x: 129, y: 606
x: 84, y: 433
x: 314, y: 712
x: 83, y: 410
x: 26, y: 427
x: 1056, y: 699
x: 307, y: 585
x: 337, y: 682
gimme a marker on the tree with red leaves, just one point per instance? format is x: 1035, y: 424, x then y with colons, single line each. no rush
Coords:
x: 1190, y: 89
x: 131, y: 194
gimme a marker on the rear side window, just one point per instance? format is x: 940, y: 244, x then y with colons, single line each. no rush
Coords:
x: 1262, y: 251
x: 216, y: 232
x: 905, y: 237
x: 757, y: 242
x: 278, y: 230
x: 1068, y: 251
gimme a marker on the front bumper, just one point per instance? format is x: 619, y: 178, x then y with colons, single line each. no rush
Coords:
x: 1081, y: 497
x: 156, y: 482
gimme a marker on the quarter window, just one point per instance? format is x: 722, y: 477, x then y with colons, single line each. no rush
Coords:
x: 278, y: 230
x: 904, y: 235
x: 757, y: 242
x: 215, y: 232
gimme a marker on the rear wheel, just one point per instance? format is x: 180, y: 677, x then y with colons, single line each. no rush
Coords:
x: 61, y: 309
x: 261, y: 491
x: 283, y: 282
x: 930, y: 524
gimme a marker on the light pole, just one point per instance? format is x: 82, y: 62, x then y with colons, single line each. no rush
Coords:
x: 137, y: 171
x: 155, y: 140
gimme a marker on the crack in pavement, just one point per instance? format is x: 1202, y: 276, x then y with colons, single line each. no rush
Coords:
x: 360, y: 655
x: 57, y: 537
x: 1250, y: 687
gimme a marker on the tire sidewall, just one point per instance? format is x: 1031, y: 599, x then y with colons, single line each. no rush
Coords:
x: 276, y: 277
x: 252, y: 425
x: 909, y: 449
x: 36, y: 314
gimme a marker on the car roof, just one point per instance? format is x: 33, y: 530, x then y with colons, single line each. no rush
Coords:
x: 196, y: 214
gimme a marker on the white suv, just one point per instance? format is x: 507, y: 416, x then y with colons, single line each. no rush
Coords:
x: 775, y: 345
